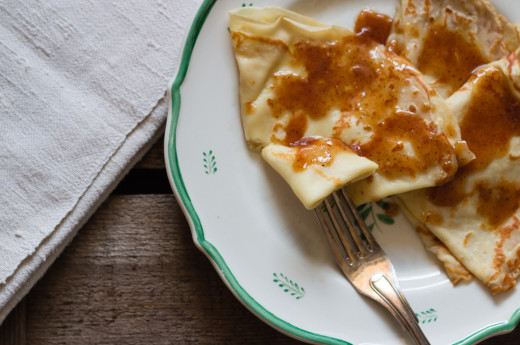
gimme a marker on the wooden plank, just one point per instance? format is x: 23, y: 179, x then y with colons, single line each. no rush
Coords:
x: 134, y: 276
x: 13, y: 331
x: 154, y: 158
x: 144, y: 181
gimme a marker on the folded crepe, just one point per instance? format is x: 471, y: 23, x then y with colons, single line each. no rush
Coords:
x: 301, y: 80
x: 477, y: 214
x: 447, y: 39
x: 315, y: 167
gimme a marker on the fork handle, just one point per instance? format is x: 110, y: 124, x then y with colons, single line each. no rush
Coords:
x: 395, y: 302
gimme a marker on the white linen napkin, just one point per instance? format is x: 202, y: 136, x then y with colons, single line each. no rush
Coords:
x: 82, y: 87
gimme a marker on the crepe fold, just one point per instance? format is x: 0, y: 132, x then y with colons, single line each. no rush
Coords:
x: 327, y: 107
x: 447, y: 39
x: 477, y: 214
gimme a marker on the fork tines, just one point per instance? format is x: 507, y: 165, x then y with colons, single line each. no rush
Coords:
x: 345, y: 227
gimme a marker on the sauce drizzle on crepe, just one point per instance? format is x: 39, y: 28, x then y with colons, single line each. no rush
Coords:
x: 344, y: 75
x: 451, y: 66
x: 490, y: 121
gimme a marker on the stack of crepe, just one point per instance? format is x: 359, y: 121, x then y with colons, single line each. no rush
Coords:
x: 396, y: 114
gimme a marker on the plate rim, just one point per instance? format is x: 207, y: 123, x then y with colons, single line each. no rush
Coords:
x: 177, y: 184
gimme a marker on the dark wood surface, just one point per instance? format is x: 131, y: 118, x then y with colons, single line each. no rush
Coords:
x: 133, y: 276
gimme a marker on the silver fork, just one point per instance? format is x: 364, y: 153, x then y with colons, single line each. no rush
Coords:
x: 363, y: 261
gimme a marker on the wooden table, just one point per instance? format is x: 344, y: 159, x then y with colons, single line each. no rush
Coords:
x: 133, y: 276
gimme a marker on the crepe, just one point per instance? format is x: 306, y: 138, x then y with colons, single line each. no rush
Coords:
x: 454, y: 268
x: 316, y: 167
x: 447, y: 39
x: 477, y: 214
x: 300, y: 78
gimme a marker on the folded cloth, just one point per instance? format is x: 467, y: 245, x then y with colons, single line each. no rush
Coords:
x: 82, y: 87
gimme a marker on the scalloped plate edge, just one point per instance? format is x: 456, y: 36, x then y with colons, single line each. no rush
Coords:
x: 179, y: 189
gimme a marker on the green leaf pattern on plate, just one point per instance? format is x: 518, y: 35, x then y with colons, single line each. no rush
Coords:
x: 372, y: 217
x: 244, y: 4
x: 289, y: 286
x: 210, y: 164
x: 427, y: 316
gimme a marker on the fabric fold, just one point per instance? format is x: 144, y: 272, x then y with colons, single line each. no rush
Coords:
x: 82, y: 90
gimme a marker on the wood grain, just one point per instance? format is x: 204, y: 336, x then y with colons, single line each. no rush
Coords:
x: 13, y: 330
x: 154, y: 158
x: 133, y: 276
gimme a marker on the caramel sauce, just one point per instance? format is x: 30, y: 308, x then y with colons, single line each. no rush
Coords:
x: 497, y: 203
x: 490, y: 121
x: 238, y: 39
x: 373, y: 25
x: 451, y: 193
x: 295, y: 129
x: 344, y: 75
x: 449, y: 57
x: 316, y: 151
x: 432, y: 217
x: 466, y: 239
x: 337, y: 72
x: 250, y: 107
x: 391, y: 209
x: 430, y: 147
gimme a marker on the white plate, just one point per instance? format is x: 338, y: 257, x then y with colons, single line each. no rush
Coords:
x: 269, y: 250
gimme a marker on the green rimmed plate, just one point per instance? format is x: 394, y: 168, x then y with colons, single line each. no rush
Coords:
x: 267, y: 248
